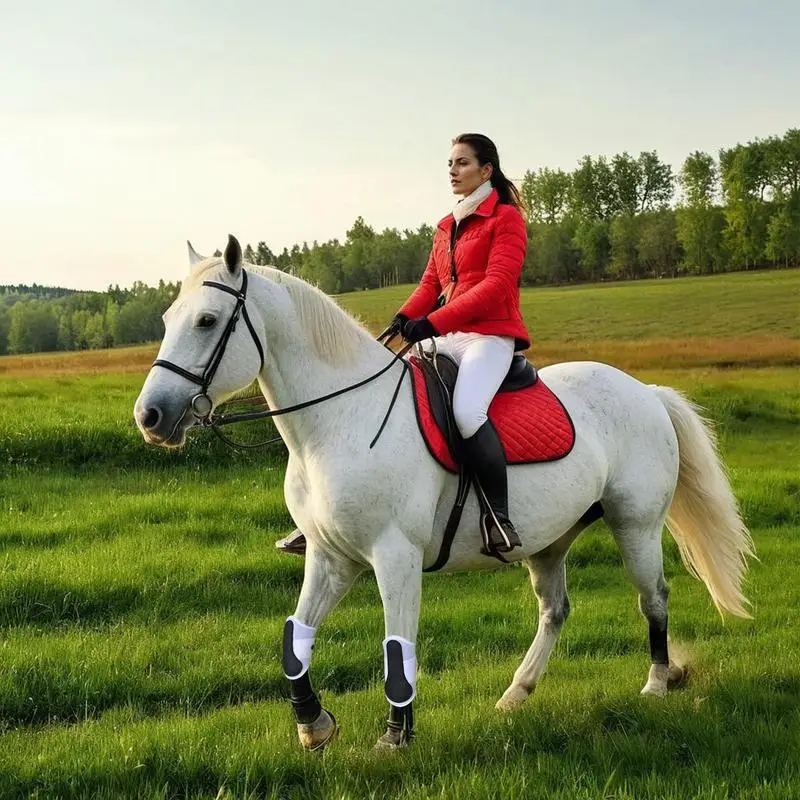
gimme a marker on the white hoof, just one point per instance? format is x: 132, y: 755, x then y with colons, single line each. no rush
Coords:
x: 315, y: 735
x: 512, y: 698
x: 656, y: 685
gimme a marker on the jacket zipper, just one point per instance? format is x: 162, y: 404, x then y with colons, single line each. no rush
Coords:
x: 453, y: 234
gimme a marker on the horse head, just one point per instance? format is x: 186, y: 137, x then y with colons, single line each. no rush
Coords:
x: 190, y: 376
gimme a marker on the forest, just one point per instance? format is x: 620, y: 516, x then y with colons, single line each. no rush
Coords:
x: 620, y: 217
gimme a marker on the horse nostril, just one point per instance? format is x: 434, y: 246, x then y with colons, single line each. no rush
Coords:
x: 151, y: 418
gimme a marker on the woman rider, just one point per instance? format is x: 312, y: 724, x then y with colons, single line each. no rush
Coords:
x: 468, y: 302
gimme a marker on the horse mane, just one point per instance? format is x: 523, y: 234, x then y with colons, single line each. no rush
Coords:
x: 337, y: 337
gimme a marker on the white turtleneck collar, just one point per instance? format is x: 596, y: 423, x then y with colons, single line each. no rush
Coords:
x: 468, y: 204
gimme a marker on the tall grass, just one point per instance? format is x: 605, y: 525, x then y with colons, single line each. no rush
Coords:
x: 142, y: 602
x: 142, y: 608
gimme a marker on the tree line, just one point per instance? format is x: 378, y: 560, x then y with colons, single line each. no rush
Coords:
x: 36, y: 319
x: 611, y: 218
x: 626, y: 217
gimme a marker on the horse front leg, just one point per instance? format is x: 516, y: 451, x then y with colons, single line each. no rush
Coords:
x: 398, y: 569
x: 327, y: 578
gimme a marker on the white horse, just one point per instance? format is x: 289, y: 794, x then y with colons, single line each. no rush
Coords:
x: 643, y: 453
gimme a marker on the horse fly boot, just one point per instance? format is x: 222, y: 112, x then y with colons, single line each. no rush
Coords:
x: 316, y: 727
x: 400, y: 670
x: 487, y: 461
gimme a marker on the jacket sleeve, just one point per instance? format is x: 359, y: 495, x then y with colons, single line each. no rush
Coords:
x: 424, y: 297
x: 496, y: 289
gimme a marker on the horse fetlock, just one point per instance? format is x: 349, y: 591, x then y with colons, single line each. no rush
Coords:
x: 513, y: 697
x: 317, y: 734
x: 399, y: 729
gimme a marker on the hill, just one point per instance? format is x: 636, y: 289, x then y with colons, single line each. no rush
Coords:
x: 744, y: 319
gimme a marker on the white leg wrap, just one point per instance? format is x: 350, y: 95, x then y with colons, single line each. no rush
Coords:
x: 399, y: 670
x: 299, y: 648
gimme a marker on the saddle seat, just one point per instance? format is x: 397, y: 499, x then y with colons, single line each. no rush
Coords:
x: 531, y: 421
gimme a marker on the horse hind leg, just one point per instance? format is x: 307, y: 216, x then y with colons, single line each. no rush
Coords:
x: 643, y: 557
x: 549, y: 580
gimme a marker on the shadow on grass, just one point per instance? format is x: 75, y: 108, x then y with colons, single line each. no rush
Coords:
x: 634, y: 747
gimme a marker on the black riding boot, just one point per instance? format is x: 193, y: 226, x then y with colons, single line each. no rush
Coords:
x: 487, y: 460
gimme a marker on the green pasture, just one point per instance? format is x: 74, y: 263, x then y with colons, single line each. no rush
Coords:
x: 142, y: 604
x: 734, y: 305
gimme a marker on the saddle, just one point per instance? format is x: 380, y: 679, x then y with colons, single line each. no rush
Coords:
x: 530, y: 420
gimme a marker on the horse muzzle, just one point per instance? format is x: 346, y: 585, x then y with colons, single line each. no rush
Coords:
x: 161, y: 424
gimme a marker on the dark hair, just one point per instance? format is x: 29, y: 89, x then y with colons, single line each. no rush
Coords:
x: 486, y: 153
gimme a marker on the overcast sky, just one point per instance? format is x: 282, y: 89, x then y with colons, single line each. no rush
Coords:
x: 127, y: 128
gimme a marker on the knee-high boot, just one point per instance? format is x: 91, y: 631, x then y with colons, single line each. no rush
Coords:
x: 487, y: 461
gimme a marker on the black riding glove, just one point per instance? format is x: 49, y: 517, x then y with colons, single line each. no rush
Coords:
x: 399, y: 323
x: 418, y: 329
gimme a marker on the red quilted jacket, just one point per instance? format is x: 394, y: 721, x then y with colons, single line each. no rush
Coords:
x: 488, y: 254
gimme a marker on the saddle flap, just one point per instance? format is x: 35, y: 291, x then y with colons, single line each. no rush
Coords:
x: 532, y: 423
x: 440, y: 381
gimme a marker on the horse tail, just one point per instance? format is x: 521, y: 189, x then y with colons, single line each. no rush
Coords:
x: 704, y: 517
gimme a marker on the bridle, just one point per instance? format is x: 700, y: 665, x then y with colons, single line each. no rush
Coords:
x: 201, y: 403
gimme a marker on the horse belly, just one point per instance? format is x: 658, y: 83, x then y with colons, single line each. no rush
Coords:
x: 545, y: 501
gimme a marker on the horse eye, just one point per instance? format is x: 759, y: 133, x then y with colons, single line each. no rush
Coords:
x: 206, y: 321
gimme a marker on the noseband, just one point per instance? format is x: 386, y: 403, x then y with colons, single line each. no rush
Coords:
x: 201, y: 403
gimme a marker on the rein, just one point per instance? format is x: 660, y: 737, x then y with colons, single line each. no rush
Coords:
x: 201, y: 404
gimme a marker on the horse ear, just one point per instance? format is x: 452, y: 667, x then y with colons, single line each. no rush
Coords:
x: 233, y: 255
x: 194, y: 256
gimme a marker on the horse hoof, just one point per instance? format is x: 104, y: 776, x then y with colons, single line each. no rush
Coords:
x: 393, y: 740
x: 656, y: 685
x: 512, y: 698
x: 386, y: 742
x: 314, y: 736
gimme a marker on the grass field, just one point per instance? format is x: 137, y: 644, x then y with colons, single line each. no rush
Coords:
x: 142, y: 604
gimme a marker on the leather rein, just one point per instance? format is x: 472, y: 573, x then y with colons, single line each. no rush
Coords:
x: 202, y: 405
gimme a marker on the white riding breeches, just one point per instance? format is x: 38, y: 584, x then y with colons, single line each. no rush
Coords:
x: 483, y: 362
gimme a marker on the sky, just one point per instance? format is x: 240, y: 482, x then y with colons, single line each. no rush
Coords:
x: 128, y: 128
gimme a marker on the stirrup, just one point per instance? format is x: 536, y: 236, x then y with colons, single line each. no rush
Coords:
x: 499, y: 533
x: 294, y: 543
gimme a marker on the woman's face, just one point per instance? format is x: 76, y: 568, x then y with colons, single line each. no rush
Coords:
x: 466, y: 174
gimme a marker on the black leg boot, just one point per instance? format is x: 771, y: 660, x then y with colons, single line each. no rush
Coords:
x: 487, y: 461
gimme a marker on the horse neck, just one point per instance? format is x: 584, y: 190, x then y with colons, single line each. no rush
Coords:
x: 294, y: 372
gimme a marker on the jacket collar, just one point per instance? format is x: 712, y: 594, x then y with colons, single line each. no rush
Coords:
x: 485, y: 209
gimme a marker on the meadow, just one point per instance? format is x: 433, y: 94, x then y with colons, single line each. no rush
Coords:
x: 142, y: 601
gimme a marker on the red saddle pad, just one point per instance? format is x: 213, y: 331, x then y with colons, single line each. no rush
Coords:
x: 532, y: 423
